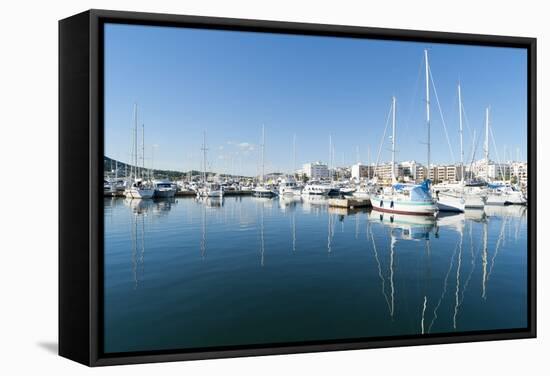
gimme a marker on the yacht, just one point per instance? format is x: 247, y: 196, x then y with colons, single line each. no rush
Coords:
x: 107, y: 188
x: 363, y: 192
x: 316, y: 189
x: 288, y: 187
x: 139, y: 190
x: 163, y: 189
x: 505, y: 194
x: 210, y: 190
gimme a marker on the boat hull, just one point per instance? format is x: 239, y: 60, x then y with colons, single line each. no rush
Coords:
x: 168, y: 193
x: 505, y: 199
x: 139, y: 193
x: 451, y: 204
x: 383, y: 204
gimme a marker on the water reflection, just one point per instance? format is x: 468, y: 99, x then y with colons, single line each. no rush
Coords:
x: 420, y: 274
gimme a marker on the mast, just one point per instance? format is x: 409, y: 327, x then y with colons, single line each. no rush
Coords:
x: 428, y: 106
x: 204, y: 157
x: 294, y: 155
x: 461, y: 136
x: 330, y: 156
x: 134, y: 157
x: 263, y: 153
x: 142, y: 151
x: 486, y: 146
x: 393, y: 179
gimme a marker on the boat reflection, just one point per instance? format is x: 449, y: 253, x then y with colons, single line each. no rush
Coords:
x: 139, y: 210
x: 406, y: 227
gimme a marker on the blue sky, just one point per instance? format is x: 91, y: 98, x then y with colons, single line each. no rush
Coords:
x: 229, y: 84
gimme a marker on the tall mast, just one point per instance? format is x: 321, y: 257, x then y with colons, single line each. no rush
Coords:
x: 263, y: 153
x: 294, y: 154
x: 393, y: 142
x: 134, y: 156
x: 428, y: 106
x: 142, y: 151
x: 330, y: 155
x: 486, y: 146
x: 461, y: 136
x: 204, y: 157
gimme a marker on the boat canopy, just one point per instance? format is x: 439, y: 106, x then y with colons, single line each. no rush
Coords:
x: 418, y: 192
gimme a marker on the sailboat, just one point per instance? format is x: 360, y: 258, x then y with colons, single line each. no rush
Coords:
x: 462, y: 195
x: 263, y: 190
x: 403, y: 198
x: 499, y: 193
x: 289, y: 186
x: 208, y: 189
x: 139, y: 188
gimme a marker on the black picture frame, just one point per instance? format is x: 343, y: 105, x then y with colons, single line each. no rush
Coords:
x: 80, y: 163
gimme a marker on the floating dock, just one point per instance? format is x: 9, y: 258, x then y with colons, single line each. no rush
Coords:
x: 349, y: 203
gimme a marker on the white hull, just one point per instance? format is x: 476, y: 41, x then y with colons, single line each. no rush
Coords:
x: 316, y: 190
x: 263, y: 192
x: 139, y: 193
x: 502, y: 198
x: 361, y: 194
x: 473, y: 201
x: 450, y: 203
x: 391, y: 204
x: 289, y: 192
x: 209, y: 193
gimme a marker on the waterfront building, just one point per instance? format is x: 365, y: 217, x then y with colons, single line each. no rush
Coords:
x: 315, y: 170
x: 361, y: 171
x: 491, y: 170
x: 519, y: 171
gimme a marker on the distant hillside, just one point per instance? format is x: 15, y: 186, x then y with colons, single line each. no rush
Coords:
x: 109, y: 166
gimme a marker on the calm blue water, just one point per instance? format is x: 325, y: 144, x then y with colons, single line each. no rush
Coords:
x: 186, y: 273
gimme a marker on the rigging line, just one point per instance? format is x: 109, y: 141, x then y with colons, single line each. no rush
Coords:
x: 380, y: 271
x: 466, y: 120
x: 442, y: 118
x: 500, y: 240
x: 382, y: 140
x: 423, y: 312
x: 474, y: 257
x: 444, y: 291
x: 411, y: 103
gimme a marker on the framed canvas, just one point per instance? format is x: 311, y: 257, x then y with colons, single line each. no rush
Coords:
x: 233, y: 187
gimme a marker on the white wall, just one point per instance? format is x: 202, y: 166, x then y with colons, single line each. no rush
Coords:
x: 28, y: 151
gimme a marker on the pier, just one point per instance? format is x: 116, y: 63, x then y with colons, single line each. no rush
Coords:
x: 349, y: 203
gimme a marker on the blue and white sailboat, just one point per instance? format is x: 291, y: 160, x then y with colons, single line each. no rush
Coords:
x: 403, y: 198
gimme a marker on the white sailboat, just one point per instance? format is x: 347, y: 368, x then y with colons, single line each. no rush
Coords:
x: 262, y: 189
x: 208, y: 189
x: 139, y: 188
x: 499, y: 193
x: 404, y: 198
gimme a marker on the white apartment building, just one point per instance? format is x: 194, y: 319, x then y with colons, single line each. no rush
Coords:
x: 491, y: 170
x: 315, y: 170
